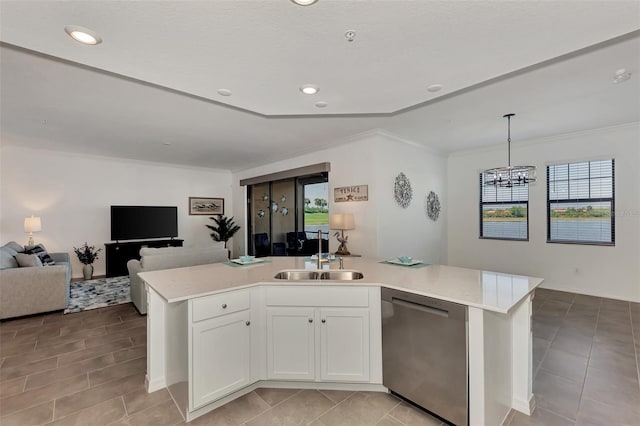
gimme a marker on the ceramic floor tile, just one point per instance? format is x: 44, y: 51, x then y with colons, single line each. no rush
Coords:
x: 558, y: 295
x: 36, y: 415
x: 596, y: 413
x: 61, y: 373
x: 617, y: 390
x: 412, y: 416
x: 42, y: 354
x: 564, y: 364
x: 141, y: 400
x: 237, y: 412
x: 583, y: 299
x: 130, y: 353
x: 557, y: 394
x: 362, y: 408
x: 302, y: 408
x: 75, y: 402
x: 553, y: 308
x: 21, y: 323
x: 8, y: 373
x: 137, y: 322
x: 12, y: 387
x: 573, y: 344
x: 117, y: 371
x: 12, y: 348
x: 274, y: 396
x: 159, y: 415
x: 389, y: 421
x: 540, y: 417
x: 100, y: 414
x: 72, y: 337
x: 112, y: 337
x: 336, y: 395
x: 43, y: 394
x: 609, y: 359
x: 94, y: 351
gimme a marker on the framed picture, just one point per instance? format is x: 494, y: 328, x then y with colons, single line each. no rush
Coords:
x: 206, y: 206
x: 351, y: 193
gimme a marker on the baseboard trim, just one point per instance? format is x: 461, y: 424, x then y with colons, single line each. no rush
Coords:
x: 525, y: 407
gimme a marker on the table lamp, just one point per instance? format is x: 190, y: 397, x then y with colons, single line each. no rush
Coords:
x: 32, y: 224
x: 342, y: 222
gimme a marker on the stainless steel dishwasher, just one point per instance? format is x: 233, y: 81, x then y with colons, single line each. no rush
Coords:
x: 424, y: 353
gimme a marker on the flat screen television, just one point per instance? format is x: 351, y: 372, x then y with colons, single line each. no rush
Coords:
x: 143, y: 222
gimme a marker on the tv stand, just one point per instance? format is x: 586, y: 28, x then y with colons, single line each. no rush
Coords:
x: 119, y: 253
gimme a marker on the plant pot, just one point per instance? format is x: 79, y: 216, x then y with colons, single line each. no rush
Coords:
x: 87, y: 272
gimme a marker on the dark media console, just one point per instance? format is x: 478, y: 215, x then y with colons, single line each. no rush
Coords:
x: 118, y: 254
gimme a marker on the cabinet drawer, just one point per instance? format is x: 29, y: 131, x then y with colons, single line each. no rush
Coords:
x: 329, y: 296
x: 221, y: 304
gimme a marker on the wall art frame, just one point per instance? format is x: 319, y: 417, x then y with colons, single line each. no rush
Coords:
x: 206, y: 206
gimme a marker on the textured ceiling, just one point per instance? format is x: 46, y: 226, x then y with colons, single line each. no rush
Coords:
x: 149, y: 91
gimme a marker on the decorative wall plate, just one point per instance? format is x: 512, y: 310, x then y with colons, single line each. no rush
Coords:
x: 261, y: 213
x: 265, y: 197
x: 402, y: 191
x: 432, y: 206
x: 274, y: 206
x: 283, y: 199
x: 284, y: 211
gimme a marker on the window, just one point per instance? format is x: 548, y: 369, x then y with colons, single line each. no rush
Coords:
x: 580, y: 202
x: 504, y: 211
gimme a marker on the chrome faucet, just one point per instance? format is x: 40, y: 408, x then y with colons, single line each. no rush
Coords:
x: 320, y: 260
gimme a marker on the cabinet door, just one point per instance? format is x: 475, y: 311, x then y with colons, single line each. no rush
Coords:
x: 221, y: 357
x: 344, y: 345
x: 290, y: 343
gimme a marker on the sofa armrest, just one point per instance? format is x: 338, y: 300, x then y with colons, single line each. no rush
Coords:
x: 137, y: 290
x: 32, y: 290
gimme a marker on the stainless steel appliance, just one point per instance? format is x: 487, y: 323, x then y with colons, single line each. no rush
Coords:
x: 424, y: 353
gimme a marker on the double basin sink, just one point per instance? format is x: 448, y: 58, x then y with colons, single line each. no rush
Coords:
x: 304, y: 275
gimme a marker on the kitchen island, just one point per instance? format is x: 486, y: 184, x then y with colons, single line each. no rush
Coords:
x: 216, y: 332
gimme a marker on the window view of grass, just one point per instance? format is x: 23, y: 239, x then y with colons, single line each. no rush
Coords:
x: 318, y: 214
x: 513, y: 213
x: 586, y: 213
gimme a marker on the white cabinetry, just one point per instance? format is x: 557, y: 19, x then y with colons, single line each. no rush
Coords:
x: 344, y: 345
x: 220, y: 346
x: 320, y: 342
x: 291, y: 343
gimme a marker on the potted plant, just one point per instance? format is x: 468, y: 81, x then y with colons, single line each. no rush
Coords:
x: 224, y: 229
x: 87, y: 255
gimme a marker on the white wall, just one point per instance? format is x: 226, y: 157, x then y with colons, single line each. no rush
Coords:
x: 597, y: 270
x: 72, y: 194
x: 382, y: 227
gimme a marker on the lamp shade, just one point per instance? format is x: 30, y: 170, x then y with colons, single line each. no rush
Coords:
x: 32, y: 224
x: 342, y: 221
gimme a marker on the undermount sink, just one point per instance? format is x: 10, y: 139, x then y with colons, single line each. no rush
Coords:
x: 297, y: 275
x: 302, y: 275
x: 341, y: 275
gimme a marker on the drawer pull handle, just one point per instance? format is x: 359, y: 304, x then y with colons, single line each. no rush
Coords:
x: 224, y: 306
x: 310, y: 320
x: 324, y: 320
x: 248, y: 323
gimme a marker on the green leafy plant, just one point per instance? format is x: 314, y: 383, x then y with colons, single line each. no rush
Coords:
x: 87, y: 254
x: 224, y: 229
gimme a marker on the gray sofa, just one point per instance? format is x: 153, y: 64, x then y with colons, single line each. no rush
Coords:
x: 153, y: 259
x: 32, y: 289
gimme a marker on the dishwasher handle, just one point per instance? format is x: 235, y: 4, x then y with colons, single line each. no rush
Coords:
x: 420, y: 307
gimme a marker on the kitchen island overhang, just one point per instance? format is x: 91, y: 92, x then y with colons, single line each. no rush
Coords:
x: 499, y: 325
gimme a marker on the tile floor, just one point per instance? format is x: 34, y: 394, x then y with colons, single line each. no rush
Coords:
x: 88, y: 369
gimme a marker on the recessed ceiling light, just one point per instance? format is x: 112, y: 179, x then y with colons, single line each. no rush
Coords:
x: 83, y: 35
x: 434, y: 88
x: 321, y: 104
x: 309, y: 89
x: 621, y: 76
x: 224, y: 92
x: 304, y: 2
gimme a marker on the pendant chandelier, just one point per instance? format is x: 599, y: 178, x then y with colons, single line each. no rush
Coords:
x: 509, y: 176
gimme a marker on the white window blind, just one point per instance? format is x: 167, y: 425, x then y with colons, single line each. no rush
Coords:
x: 504, y: 211
x: 580, y: 202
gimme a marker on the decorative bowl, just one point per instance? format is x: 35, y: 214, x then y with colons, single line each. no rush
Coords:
x: 247, y: 259
x: 405, y: 259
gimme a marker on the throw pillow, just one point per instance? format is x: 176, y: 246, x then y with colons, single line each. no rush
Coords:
x: 7, y: 258
x: 27, y: 260
x: 14, y: 246
x: 41, y: 252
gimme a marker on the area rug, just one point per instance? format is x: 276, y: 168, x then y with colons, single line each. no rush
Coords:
x: 94, y: 294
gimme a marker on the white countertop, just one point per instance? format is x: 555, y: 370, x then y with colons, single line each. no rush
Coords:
x: 487, y: 290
